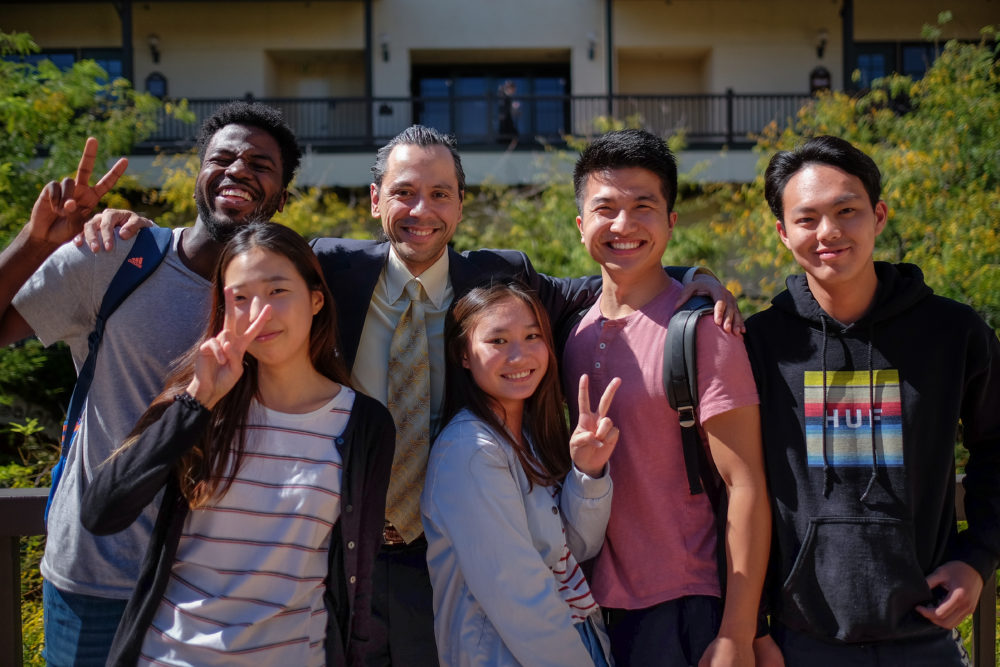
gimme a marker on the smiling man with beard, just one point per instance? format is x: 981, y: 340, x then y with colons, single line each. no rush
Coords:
x: 53, y: 290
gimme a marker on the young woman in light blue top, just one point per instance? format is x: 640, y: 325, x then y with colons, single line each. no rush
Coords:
x: 508, y: 508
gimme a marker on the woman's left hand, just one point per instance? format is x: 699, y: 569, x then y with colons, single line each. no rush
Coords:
x: 595, y: 435
x: 219, y: 364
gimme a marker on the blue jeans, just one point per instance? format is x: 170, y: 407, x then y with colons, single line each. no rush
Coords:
x: 592, y: 643
x: 78, y: 628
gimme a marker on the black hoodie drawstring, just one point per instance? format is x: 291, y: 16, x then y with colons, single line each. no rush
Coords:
x: 871, y: 415
x: 827, y: 469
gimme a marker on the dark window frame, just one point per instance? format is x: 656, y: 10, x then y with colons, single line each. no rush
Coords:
x: 475, y: 115
x: 895, y: 53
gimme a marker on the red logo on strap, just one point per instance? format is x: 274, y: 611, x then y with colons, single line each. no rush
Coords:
x: 135, y: 261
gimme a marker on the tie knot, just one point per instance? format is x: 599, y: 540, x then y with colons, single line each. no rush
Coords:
x: 414, y: 290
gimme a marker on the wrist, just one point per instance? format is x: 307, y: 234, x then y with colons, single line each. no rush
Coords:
x: 199, y: 393
x: 593, y: 473
x: 37, y: 246
x: 743, y: 636
x: 188, y: 400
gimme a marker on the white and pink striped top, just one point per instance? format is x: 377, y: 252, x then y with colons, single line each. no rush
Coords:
x: 247, y: 584
x: 570, y: 580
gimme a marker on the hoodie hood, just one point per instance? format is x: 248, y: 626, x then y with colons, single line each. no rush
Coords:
x: 900, y: 287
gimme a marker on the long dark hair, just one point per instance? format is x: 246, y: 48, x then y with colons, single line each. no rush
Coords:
x: 543, y: 420
x: 209, y: 467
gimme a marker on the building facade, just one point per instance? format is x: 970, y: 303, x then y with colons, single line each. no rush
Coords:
x: 506, y: 78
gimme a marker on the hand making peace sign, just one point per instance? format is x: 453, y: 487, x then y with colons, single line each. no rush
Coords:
x: 62, y: 207
x: 220, y: 359
x: 595, y: 435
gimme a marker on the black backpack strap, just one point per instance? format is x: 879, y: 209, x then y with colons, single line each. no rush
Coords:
x: 680, y: 382
x: 150, y: 247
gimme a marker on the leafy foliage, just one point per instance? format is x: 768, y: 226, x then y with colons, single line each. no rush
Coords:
x: 45, y: 116
x: 938, y: 145
x: 47, y: 113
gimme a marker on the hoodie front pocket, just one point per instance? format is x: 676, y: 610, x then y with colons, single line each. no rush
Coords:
x: 855, y: 579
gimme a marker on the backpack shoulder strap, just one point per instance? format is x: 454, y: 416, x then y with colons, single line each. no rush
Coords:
x: 680, y: 380
x: 150, y: 247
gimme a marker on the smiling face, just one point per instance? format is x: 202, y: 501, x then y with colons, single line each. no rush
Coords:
x: 260, y: 277
x: 507, y: 355
x: 240, y: 180
x: 625, y: 222
x: 830, y: 226
x: 419, y: 203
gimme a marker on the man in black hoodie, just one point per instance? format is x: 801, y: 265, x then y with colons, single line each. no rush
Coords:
x: 865, y: 377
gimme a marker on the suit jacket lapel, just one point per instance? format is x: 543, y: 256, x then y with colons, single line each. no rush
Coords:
x: 353, y: 292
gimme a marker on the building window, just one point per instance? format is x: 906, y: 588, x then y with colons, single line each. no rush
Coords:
x: 110, y: 60
x: 494, y: 104
x: 878, y: 59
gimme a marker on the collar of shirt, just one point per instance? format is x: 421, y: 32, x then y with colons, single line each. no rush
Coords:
x: 434, y: 279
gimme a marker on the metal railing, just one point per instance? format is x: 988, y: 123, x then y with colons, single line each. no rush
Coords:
x: 21, y: 513
x: 361, y: 123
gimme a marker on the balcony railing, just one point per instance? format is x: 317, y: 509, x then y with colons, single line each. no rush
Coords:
x: 358, y: 123
x: 21, y: 514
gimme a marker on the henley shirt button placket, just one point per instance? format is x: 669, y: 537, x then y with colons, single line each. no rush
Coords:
x: 609, y: 330
x: 350, y: 545
x: 352, y: 579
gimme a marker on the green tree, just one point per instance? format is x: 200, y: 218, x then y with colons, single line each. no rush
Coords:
x: 46, y: 114
x: 937, y: 142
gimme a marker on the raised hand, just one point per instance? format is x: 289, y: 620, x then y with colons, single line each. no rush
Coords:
x: 62, y: 206
x: 595, y: 436
x: 220, y: 359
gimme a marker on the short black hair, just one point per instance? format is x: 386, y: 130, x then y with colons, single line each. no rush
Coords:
x: 425, y: 137
x: 831, y: 151
x: 627, y: 148
x: 255, y: 114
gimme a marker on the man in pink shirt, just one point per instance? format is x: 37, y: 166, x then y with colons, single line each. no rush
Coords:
x: 657, y: 575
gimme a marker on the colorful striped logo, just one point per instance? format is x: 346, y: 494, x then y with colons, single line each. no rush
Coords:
x: 848, y: 419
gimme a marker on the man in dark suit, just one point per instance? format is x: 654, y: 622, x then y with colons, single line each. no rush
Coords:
x: 418, y: 190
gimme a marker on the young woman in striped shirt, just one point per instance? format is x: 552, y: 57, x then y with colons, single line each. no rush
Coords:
x: 508, y: 508
x: 273, y: 475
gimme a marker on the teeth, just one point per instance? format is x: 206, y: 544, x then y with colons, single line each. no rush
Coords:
x: 625, y: 245
x: 421, y: 232
x: 233, y: 192
x: 518, y: 376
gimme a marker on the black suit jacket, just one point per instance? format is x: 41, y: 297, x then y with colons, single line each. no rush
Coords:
x: 352, y: 268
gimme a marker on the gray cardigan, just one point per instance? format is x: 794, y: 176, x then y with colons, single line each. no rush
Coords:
x: 491, y: 547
